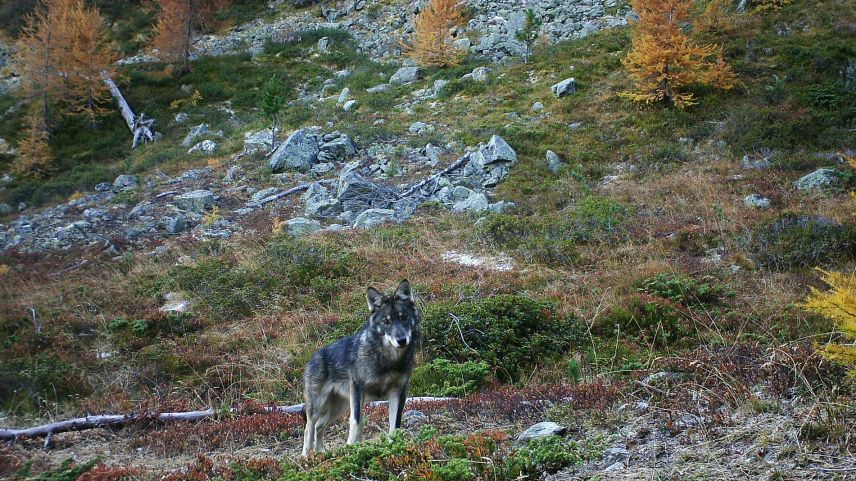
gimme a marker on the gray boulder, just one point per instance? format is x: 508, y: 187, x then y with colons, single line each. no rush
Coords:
x: 320, y: 203
x: 378, y: 88
x: 343, y: 97
x: 565, y: 87
x: 497, y: 150
x: 200, y: 130
x: 197, y: 201
x: 264, y: 193
x: 476, y: 202
x: 299, y: 226
x: 554, y: 162
x: 756, y: 201
x: 174, y: 224
x: 372, y: 217
x: 350, y: 105
x: 823, y: 178
x: 260, y: 139
x: 124, y: 182
x: 405, y: 208
x: 479, y: 74
x: 339, y: 148
x: 324, y: 44
x: 206, y: 146
x: 404, y: 75
x: 298, y: 152
x: 541, y: 430
x: 749, y: 163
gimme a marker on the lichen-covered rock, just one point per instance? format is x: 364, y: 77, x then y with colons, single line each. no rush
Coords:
x: 372, y: 217
x: 124, y: 182
x: 197, y: 201
x: 299, y: 151
x: 404, y: 75
x: 823, y: 178
x: 541, y: 430
x: 299, y: 226
x: 565, y: 87
x: 756, y: 201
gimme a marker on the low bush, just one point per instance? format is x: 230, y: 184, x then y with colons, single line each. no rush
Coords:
x: 549, y: 454
x: 442, y: 377
x: 682, y: 290
x: 800, y: 240
x: 648, y: 319
x: 511, y: 333
x: 32, y: 383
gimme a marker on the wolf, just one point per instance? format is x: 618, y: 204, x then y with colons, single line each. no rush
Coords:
x: 375, y: 363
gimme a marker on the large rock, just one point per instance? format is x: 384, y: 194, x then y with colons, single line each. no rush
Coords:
x: 541, y: 430
x: 497, y: 150
x: 337, y: 147
x: 372, y: 217
x: 262, y: 194
x: 554, y: 162
x: 260, y: 139
x: 201, y: 130
x: 476, y: 202
x: 404, y: 75
x: 565, y: 87
x: 822, y: 178
x: 756, y: 201
x: 197, y: 201
x: 320, y: 203
x: 299, y: 226
x: 298, y: 152
x: 206, y: 147
x: 124, y: 181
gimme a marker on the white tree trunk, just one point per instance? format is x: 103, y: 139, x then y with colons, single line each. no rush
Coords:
x: 140, y: 127
x: 119, y: 420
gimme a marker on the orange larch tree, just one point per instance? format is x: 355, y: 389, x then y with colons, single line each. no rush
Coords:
x: 90, y: 54
x: 35, y: 159
x: 177, y: 23
x: 432, y: 43
x: 664, y: 59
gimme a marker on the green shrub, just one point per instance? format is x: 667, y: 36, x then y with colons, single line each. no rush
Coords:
x: 650, y: 320
x: 32, y: 383
x: 598, y: 219
x: 682, y: 290
x: 799, y: 240
x: 442, y: 377
x: 511, y: 333
x: 456, y: 469
x: 549, y: 454
x: 67, y: 471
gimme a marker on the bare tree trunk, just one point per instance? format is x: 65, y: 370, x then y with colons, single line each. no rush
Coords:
x: 119, y: 420
x: 140, y: 127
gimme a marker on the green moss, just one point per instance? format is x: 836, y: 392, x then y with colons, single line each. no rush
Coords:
x: 442, y: 377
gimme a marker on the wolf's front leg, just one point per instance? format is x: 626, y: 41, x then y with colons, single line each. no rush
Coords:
x: 355, y: 431
x: 396, y: 407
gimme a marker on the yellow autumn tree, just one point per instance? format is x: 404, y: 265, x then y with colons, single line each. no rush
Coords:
x: 432, y: 43
x: 35, y: 159
x: 716, y: 20
x: 176, y: 26
x: 89, y: 54
x: 838, y: 303
x: 664, y: 60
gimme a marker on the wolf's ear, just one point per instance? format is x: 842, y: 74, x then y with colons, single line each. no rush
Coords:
x: 374, y: 299
x: 403, y: 291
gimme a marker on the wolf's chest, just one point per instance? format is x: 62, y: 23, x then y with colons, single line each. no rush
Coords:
x: 380, y: 387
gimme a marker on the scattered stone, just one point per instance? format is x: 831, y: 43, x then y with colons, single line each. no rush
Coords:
x: 378, y: 88
x: 124, y: 182
x: 350, y: 105
x: 299, y: 226
x: 462, y: 43
x: 404, y: 75
x: 200, y: 130
x: 479, y: 74
x: 181, y: 118
x: 206, y: 146
x: 343, y: 96
x: 197, y: 201
x: 298, y: 152
x: 540, y: 430
x: 755, y: 164
x: 324, y: 44
x: 174, y: 224
x: 537, y: 106
x: 175, y: 303
x: 260, y: 139
x: 476, y: 202
x: 554, y: 162
x: 756, y: 201
x: 615, y: 455
x: 373, y: 217
x: 264, y: 193
x: 823, y: 178
x: 420, y: 128
x: 565, y: 87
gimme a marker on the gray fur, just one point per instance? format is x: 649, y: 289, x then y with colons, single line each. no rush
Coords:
x: 375, y: 363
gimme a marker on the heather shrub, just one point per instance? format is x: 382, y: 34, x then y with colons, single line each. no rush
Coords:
x: 799, y: 240
x: 511, y: 333
x: 442, y: 377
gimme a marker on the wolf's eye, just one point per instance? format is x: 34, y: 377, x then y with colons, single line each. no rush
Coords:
x: 387, y: 320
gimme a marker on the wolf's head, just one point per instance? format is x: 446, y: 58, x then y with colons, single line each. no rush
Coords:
x: 394, y: 316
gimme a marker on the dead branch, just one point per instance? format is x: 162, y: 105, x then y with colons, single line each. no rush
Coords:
x: 415, y: 187
x: 140, y: 127
x: 106, y: 421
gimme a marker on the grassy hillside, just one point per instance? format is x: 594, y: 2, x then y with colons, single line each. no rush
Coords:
x: 660, y: 269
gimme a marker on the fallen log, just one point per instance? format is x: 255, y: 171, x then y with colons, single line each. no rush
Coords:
x: 140, y: 127
x: 279, y: 195
x: 454, y: 166
x: 105, y: 421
